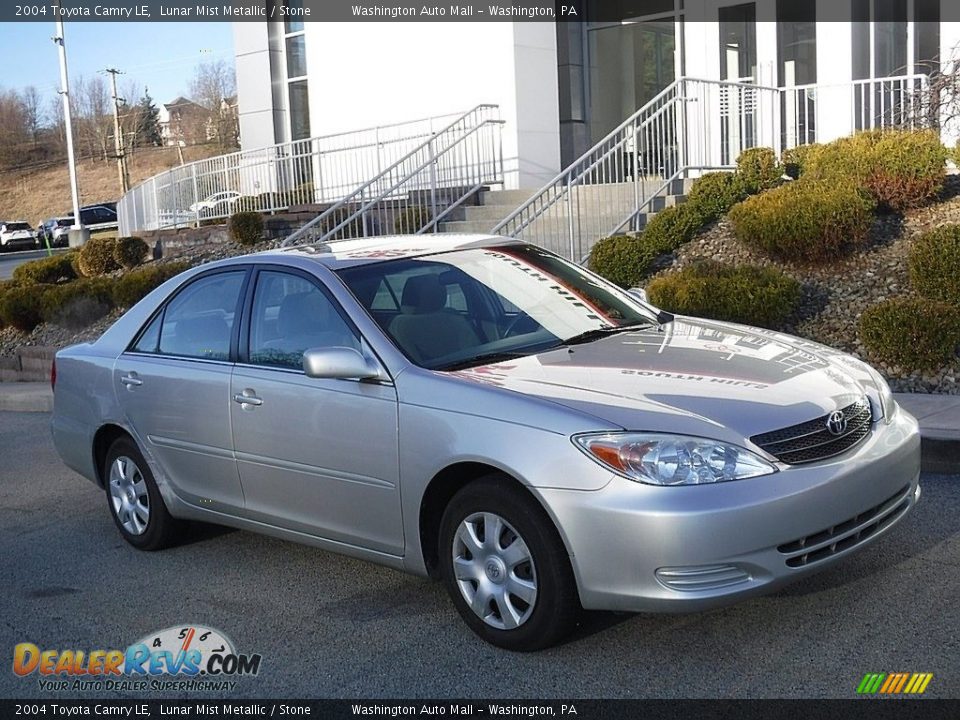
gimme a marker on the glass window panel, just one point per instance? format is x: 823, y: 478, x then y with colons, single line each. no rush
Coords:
x: 797, y: 42
x: 738, y: 42
x: 290, y: 316
x: 630, y: 64
x: 198, y: 322
x: 299, y: 110
x: 294, y: 24
x: 296, y: 57
x: 927, y: 34
x: 890, y: 37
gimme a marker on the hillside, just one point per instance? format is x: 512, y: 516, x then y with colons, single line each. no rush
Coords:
x: 34, y: 195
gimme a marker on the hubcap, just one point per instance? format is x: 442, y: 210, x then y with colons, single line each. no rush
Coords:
x: 128, y: 495
x: 494, y: 571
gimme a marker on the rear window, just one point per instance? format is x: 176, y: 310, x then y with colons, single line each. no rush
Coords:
x: 17, y: 226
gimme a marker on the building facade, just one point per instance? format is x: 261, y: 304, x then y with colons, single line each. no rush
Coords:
x: 561, y: 87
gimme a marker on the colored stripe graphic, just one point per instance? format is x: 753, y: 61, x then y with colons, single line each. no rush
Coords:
x: 894, y: 683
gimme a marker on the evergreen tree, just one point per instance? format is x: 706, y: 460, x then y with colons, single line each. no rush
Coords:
x: 148, y: 122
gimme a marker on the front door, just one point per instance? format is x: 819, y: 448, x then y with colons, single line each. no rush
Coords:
x: 315, y: 456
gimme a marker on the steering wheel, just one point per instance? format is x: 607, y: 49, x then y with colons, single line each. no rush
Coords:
x: 511, y: 327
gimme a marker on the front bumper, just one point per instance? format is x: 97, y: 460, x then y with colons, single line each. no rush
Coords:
x: 643, y: 548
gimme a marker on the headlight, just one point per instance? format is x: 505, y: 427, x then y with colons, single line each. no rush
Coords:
x: 888, y: 406
x: 658, y: 459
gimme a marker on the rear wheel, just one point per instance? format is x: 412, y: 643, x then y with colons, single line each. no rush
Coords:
x: 506, y: 568
x: 134, y: 499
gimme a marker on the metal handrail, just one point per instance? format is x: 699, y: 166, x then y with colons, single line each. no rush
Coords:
x: 314, y: 170
x: 386, y: 196
x: 690, y: 126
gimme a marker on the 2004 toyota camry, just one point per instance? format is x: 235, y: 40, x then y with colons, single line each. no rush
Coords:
x: 481, y: 410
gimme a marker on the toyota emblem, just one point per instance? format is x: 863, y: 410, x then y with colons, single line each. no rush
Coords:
x: 836, y: 422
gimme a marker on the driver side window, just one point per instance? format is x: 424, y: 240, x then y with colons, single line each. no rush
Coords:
x: 291, y: 315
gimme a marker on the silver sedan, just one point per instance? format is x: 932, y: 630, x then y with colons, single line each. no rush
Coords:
x: 480, y: 410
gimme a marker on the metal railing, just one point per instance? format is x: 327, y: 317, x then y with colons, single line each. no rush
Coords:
x: 693, y: 126
x: 420, y: 190
x: 317, y: 170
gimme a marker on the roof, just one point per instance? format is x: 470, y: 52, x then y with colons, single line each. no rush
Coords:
x: 347, y: 253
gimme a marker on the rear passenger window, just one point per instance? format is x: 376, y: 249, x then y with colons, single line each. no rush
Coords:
x: 198, y: 322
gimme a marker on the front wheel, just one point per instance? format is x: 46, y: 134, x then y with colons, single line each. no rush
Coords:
x: 506, y: 568
x: 134, y: 499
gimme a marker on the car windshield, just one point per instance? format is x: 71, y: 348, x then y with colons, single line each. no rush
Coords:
x: 17, y: 226
x: 65, y: 222
x: 467, y: 307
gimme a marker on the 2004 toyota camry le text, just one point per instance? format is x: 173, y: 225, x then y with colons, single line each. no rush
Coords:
x: 482, y: 411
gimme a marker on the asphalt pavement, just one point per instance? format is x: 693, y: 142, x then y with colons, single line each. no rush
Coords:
x: 10, y: 260
x: 329, y: 626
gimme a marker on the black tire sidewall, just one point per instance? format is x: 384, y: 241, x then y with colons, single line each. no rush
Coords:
x: 159, y: 524
x: 557, y: 603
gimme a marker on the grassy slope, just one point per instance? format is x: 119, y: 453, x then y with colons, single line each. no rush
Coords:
x: 39, y: 194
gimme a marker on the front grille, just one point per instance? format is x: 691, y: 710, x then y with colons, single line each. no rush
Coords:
x: 812, y: 440
x: 847, y: 534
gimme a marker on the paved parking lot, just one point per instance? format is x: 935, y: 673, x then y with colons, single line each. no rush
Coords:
x: 328, y: 626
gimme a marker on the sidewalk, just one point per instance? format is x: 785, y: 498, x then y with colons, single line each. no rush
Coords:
x: 939, y: 417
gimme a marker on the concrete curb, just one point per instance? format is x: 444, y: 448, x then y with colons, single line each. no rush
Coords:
x: 26, y: 397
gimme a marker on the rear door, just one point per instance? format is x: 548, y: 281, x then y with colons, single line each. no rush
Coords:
x: 315, y: 456
x: 174, y: 386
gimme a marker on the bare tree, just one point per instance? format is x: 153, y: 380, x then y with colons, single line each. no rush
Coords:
x: 33, y: 107
x: 95, y: 115
x: 14, y: 129
x: 214, y: 86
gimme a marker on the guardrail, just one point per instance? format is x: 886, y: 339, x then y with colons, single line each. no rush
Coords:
x: 312, y: 171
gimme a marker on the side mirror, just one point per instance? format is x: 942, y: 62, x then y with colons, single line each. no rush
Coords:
x: 639, y: 293
x: 339, y: 363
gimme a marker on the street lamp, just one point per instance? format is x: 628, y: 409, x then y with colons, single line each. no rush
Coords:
x: 78, y: 234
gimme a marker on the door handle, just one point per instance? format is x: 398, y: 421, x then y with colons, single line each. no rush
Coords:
x: 131, y: 380
x: 245, y: 399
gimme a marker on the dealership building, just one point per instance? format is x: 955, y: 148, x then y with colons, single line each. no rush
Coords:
x: 562, y: 86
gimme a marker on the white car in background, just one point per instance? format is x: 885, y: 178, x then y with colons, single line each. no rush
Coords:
x: 17, y: 234
x: 221, y: 202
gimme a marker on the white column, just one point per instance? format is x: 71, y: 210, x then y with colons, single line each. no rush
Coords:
x: 834, y: 100
x: 950, y: 50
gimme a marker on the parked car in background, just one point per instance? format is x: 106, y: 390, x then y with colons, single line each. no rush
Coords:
x: 97, y: 217
x: 217, y: 204
x: 17, y: 235
x: 480, y: 410
x: 55, y: 231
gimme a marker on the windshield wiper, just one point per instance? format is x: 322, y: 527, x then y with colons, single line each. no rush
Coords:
x: 597, y: 333
x: 476, y: 360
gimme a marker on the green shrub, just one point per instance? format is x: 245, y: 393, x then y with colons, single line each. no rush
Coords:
x: 673, y: 226
x: 48, y: 270
x: 20, y: 306
x: 246, y: 228
x: 745, y: 294
x: 4, y: 286
x: 902, y: 169
x: 758, y: 169
x: 914, y: 334
x: 805, y: 221
x: 130, y: 252
x: 624, y: 260
x: 796, y: 160
x: 130, y: 288
x: 77, y: 304
x: 97, y: 257
x: 411, y: 220
x: 715, y: 193
x: 935, y: 264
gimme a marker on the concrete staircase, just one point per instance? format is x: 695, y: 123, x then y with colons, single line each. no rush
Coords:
x: 608, y: 205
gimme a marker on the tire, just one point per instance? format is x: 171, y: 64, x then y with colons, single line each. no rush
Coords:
x: 500, y: 575
x: 134, y: 500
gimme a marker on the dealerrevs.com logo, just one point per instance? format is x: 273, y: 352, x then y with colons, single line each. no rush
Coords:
x: 180, y: 658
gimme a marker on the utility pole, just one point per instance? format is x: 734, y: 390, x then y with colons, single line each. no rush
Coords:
x: 78, y: 235
x: 118, y: 134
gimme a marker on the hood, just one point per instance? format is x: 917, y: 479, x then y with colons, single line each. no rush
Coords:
x: 17, y: 234
x: 690, y: 376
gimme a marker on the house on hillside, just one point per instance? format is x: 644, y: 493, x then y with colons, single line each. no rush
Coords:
x: 183, y: 122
